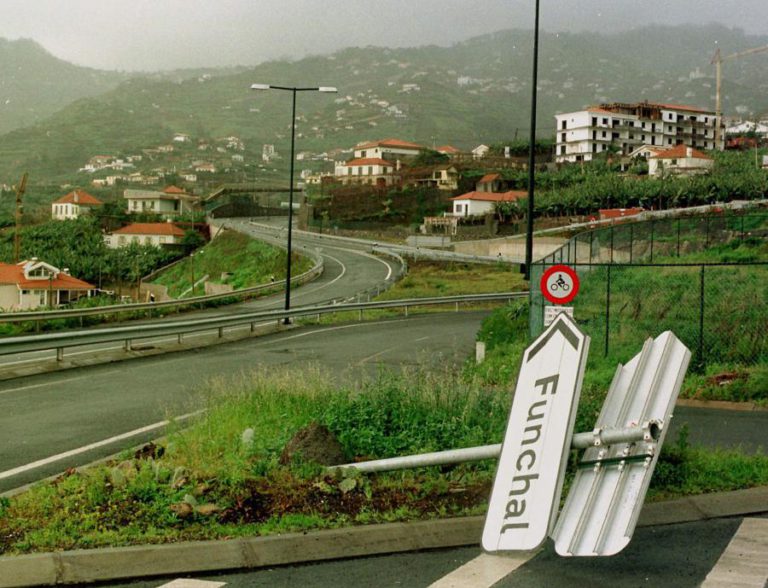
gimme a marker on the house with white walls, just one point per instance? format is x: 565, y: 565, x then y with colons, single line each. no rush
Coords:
x: 680, y: 161
x: 156, y: 234
x: 482, y: 203
x: 32, y: 284
x: 72, y: 205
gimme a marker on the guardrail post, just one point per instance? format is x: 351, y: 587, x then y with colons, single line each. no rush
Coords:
x: 253, y: 326
x: 179, y: 338
x: 221, y: 332
x: 406, y: 310
x: 59, y: 354
x: 127, y: 345
x: 457, y: 307
x: 360, y: 315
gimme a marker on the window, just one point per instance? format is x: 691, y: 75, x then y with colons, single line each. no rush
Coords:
x: 562, y: 149
x: 673, y: 162
x: 604, y: 135
x: 564, y: 124
x: 594, y: 121
x: 562, y: 137
x: 605, y: 121
x: 370, y: 170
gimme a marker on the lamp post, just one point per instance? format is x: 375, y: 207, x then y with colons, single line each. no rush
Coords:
x: 532, y: 149
x: 293, y: 91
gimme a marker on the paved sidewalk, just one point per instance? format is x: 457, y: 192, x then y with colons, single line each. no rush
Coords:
x: 85, y: 566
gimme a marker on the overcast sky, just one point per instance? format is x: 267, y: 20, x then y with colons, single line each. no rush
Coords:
x: 167, y: 34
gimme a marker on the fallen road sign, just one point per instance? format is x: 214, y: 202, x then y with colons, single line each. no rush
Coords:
x: 529, y: 478
x: 604, y: 503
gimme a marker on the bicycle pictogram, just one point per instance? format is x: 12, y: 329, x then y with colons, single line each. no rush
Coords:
x: 560, y: 284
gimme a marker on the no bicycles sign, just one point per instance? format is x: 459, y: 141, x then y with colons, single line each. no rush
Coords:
x: 559, y: 284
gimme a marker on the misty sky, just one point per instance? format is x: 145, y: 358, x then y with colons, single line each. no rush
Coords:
x: 166, y: 34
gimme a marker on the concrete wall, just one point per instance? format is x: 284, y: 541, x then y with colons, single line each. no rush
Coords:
x: 513, y: 248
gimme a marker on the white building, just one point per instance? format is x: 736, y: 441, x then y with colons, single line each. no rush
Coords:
x: 169, y: 203
x: 389, y: 149
x: 370, y: 170
x: 481, y: 203
x: 623, y: 127
x: 680, y: 160
x: 33, y: 284
x: 480, y: 151
x: 156, y: 234
x: 73, y: 205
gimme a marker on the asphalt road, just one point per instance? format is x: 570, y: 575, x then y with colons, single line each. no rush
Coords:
x: 43, y: 417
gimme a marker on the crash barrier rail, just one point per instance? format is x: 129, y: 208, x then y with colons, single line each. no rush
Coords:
x: 417, y: 253
x: 127, y: 334
x: 195, y: 301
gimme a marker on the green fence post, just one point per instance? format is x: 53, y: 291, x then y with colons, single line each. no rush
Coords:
x: 678, y: 237
x: 706, y: 241
x: 591, y: 239
x: 652, y: 222
x: 742, y: 227
x: 611, y: 243
x: 607, y: 309
x: 631, y: 241
x: 701, y: 317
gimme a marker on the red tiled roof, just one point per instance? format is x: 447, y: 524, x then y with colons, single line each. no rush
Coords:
x: 369, y: 161
x: 150, y: 229
x: 679, y: 152
x: 685, y: 107
x: 619, y: 212
x: 396, y: 143
x: 493, y: 196
x: 79, y: 197
x: 14, y: 274
x: 447, y: 149
x: 174, y: 190
x: 488, y: 178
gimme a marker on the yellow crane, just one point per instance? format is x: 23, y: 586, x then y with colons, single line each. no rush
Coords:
x: 718, y: 60
x: 20, y: 189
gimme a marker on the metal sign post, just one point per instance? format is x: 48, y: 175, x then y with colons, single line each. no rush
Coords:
x: 529, y: 477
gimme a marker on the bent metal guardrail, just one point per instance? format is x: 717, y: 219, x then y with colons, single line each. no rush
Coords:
x: 40, y: 315
x: 126, y: 334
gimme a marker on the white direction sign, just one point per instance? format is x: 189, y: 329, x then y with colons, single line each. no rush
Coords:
x: 529, y: 478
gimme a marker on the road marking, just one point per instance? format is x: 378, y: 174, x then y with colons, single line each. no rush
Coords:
x: 96, y: 445
x: 339, y: 328
x: 188, y: 583
x: 483, y: 571
x: 743, y: 564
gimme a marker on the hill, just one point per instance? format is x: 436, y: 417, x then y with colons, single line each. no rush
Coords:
x: 474, y: 91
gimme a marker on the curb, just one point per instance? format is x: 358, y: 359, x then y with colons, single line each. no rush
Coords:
x: 119, y: 563
x: 722, y: 405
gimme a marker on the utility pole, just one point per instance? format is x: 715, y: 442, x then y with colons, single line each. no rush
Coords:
x: 22, y: 187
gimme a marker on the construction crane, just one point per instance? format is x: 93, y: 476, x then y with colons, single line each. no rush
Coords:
x: 20, y: 189
x: 718, y: 60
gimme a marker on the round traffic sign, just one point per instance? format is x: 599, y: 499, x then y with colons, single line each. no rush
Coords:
x: 559, y: 284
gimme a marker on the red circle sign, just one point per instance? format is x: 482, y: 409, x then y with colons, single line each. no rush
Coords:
x: 559, y: 284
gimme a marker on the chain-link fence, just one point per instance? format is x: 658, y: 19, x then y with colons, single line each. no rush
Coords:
x: 719, y: 310
x: 658, y: 240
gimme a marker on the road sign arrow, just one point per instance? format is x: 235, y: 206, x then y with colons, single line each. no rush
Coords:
x: 566, y: 328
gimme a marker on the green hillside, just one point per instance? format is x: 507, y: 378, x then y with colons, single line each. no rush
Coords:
x: 475, y: 91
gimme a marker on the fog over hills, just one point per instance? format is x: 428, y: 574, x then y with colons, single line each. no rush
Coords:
x: 471, y: 92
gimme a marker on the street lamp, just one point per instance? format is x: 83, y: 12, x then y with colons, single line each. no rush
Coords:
x: 293, y: 91
x: 532, y: 149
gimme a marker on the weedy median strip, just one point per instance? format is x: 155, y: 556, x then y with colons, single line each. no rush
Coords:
x: 225, y: 474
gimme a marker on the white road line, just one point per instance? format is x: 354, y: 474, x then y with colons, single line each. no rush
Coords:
x: 326, y: 330
x: 189, y: 583
x: 97, y: 444
x: 744, y: 563
x: 483, y: 571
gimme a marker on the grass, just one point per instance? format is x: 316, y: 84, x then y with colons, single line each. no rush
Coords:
x: 214, y: 480
x: 427, y: 279
x: 233, y: 259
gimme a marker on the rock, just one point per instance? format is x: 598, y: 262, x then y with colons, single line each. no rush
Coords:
x: 182, y: 509
x: 247, y: 438
x: 314, y: 443
x: 207, y: 509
